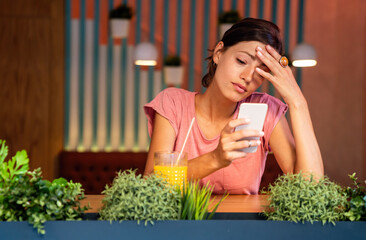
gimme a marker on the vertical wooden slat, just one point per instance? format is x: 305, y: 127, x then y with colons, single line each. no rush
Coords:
x: 81, y: 77
x: 192, y: 46
x: 95, y: 74
x: 137, y: 70
x: 205, y: 42
x: 87, y: 138
x: 179, y: 26
x: 171, y: 41
x: 226, y: 5
x: 67, y: 71
x: 159, y: 31
x: 74, y: 85
x: 102, y: 75
x: 132, y: 32
x: 117, y: 3
x: 254, y: 8
x: 240, y: 7
x: 267, y: 11
x: 109, y: 80
x: 198, y: 49
x: 186, y: 19
x: 130, y: 102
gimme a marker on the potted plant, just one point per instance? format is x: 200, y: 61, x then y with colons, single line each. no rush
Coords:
x: 173, y: 71
x: 133, y: 197
x: 25, y: 196
x: 226, y: 20
x: 120, y: 21
x: 306, y: 198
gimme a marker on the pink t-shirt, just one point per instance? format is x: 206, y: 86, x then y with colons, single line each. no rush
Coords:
x: 243, y: 175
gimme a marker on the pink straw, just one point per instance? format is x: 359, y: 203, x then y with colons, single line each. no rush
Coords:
x: 185, y: 141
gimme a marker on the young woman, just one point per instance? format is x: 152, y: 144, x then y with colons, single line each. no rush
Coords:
x: 247, y: 55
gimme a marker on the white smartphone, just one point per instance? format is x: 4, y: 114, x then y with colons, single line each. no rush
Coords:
x: 256, y: 113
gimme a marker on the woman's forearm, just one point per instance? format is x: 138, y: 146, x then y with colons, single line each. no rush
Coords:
x: 308, y: 156
x: 202, y: 166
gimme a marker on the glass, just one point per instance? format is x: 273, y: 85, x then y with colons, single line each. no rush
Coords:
x: 166, y: 164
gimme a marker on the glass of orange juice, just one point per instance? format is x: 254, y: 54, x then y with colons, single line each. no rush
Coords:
x: 169, y: 167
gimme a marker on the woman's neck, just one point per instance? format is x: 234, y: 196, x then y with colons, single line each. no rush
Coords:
x: 212, y: 106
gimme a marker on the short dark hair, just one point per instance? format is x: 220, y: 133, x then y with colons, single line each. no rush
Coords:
x: 247, y: 29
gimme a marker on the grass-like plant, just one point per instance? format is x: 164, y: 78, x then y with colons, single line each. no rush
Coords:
x: 300, y: 198
x: 196, y: 201
x: 132, y: 197
x: 25, y: 196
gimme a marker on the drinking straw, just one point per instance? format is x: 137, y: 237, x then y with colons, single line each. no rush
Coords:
x: 185, y: 140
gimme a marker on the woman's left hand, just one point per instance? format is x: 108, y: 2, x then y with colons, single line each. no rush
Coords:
x: 281, y: 77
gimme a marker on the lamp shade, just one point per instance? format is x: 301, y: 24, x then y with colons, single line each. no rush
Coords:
x: 304, y: 55
x: 146, y: 54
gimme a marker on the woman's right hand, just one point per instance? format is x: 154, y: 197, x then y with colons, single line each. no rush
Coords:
x: 231, y: 142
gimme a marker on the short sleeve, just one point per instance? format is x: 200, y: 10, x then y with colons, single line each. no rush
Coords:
x: 166, y: 104
x: 276, y: 109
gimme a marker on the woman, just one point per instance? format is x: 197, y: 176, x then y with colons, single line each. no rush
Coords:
x: 248, y: 54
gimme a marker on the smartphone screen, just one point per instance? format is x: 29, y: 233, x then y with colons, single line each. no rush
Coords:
x: 256, y: 113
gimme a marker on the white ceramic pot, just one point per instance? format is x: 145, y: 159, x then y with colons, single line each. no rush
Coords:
x: 119, y: 27
x: 173, y: 75
x: 223, y: 28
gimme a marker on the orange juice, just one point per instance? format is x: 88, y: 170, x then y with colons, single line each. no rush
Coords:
x: 175, y: 175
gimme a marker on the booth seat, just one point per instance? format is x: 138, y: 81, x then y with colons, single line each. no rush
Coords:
x: 94, y: 170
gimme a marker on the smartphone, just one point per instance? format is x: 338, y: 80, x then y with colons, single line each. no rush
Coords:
x: 256, y: 113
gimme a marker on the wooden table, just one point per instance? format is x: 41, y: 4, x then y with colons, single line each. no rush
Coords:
x: 233, y: 203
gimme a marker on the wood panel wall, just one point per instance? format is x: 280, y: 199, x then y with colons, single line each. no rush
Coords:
x: 31, y: 79
x: 335, y: 88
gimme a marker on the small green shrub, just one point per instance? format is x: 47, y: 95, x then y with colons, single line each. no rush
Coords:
x: 300, y: 198
x: 172, y: 60
x: 123, y: 11
x: 231, y: 16
x: 356, y: 210
x: 132, y: 197
x: 24, y: 196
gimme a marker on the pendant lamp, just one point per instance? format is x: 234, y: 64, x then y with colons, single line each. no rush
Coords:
x: 304, y: 55
x: 146, y: 54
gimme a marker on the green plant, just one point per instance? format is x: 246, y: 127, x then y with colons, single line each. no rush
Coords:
x: 231, y: 16
x: 123, y: 11
x: 172, y: 60
x: 24, y: 196
x: 196, y: 201
x: 132, y: 197
x: 299, y: 197
x: 357, y: 200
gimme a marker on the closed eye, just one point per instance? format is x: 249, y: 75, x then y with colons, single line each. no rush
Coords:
x: 240, y: 61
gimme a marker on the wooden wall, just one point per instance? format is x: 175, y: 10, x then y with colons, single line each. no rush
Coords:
x: 31, y: 79
x: 336, y: 87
